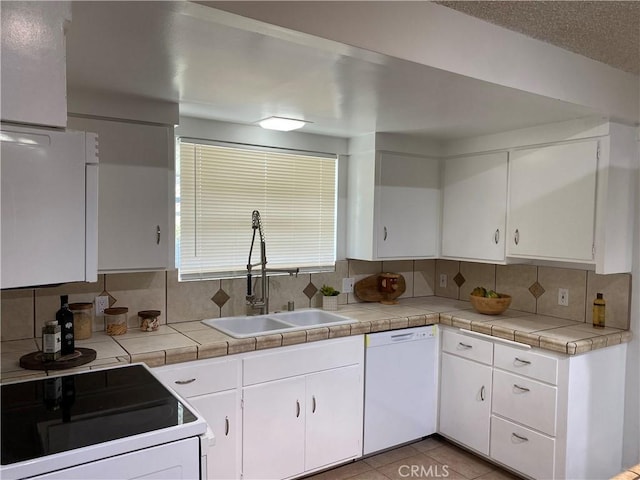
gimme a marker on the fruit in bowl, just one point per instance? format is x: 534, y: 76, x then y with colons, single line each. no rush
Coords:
x: 489, y: 302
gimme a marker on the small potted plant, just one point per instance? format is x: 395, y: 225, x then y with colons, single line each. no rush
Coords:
x: 329, y: 297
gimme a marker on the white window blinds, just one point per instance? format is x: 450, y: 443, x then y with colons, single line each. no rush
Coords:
x: 218, y: 188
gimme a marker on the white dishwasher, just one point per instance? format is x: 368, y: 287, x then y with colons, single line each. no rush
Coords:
x: 400, y: 399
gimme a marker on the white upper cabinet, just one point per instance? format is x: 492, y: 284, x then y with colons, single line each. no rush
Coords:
x: 135, y: 218
x: 33, y: 74
x: 552, y: 199
x: 394, y: 206
x: 474, y: 207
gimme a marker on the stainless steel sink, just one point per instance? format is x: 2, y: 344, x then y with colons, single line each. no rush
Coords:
x: 254, y: 326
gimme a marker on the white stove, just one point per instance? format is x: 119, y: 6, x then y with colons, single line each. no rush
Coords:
x: 112, y: 423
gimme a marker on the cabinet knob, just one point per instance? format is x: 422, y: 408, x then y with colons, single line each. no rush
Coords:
x: 516, y: 237
x: 157, y: 234
x: 496, y: 236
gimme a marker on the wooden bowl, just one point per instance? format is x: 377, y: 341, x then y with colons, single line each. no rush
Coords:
x: 491, y: 306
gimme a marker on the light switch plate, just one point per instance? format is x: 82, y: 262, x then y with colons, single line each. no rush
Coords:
x: 101, y: 303
x: 563, y: 297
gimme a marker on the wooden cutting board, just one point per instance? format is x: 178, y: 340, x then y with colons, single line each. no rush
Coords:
x: 368, y: 290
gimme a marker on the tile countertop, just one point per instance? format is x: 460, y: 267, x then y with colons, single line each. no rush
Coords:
x: 182, y: 342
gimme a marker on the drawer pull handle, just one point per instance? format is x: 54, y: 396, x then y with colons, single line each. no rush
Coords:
x: 522, y: 389
x: 482, y: 393
x: 465, y: 345
x: 520, y: 437
x: 297, y: 408
x: 226, y: 426
x: 185, y: 382
x: 313, y: 404
x: 524, y: 362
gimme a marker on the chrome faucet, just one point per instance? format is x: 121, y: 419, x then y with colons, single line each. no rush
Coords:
x: 262, y: 303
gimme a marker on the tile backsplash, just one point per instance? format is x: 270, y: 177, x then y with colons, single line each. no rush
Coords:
x: 534, y: 289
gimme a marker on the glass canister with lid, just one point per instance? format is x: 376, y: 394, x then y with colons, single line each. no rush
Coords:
x: 149, y: 320
x: 82, y: 320
x: 116, y: 320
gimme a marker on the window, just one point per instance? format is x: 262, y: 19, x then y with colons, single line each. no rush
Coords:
x: 219, y: 186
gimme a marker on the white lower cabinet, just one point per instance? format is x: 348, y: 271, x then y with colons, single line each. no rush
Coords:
x: 543, y: 414
x: 212, y: 388
x: 303, y: 412
x: 220, y: 410
x: 465, y: 401
x: 333, y: 433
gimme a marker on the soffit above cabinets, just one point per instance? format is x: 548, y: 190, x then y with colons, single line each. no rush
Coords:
x: 220, y: 66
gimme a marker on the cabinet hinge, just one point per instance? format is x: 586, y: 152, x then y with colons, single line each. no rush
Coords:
x: 242, y: 404
x: 593, y: 251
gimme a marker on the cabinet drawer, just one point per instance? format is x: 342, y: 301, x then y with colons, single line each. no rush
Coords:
x: 523, y: 362
x: 525, y: 401
x: 467, y: 346
x: 200, y: 377
x: 524, y: 450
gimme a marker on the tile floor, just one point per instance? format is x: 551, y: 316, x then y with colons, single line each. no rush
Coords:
x: 433, y: 457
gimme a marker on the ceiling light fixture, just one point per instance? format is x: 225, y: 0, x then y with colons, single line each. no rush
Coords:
x: 282, y: 124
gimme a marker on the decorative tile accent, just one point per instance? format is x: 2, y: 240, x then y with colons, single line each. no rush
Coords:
x: 515, y: 280
x: 220, y: 298
x: 475, y: 275
x: 310, y: 290
x: 536, y: 290
x: 112, y: 299
x: 459, y: 279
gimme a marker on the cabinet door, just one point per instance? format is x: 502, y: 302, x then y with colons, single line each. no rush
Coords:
x: 273, y: 429
x: 220, y: 410
x: 474, y: 207
x: 133, y: 205
x: 465, y: 402
x: 408, y: 206
x: 552, y: 193
x: 334, y: 416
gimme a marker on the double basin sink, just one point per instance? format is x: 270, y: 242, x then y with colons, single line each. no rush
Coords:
x: 253, y: 326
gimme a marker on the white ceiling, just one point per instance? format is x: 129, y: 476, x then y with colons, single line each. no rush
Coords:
x: 218, y: 66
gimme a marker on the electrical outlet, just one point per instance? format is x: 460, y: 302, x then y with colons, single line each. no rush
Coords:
x: 563, y: 297
x: 443, y: 280
x: 347, y: 285
x: 101, y: 304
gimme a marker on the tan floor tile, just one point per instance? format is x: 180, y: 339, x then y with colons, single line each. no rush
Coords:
x: 428, y: 444
x: 418, y: 466
x: 497, y: 475
x: 462, y: 462
x: 391, y: 456
x: 342, y: 473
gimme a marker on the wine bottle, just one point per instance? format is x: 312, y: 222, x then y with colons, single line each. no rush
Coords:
x: 64, y: 317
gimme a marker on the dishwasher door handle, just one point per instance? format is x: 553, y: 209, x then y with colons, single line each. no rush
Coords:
x: 401, y: 336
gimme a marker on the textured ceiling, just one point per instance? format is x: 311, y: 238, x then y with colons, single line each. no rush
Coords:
x: 607, y: 31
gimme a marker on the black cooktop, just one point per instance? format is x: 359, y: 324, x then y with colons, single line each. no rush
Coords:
x: 51, y: 415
